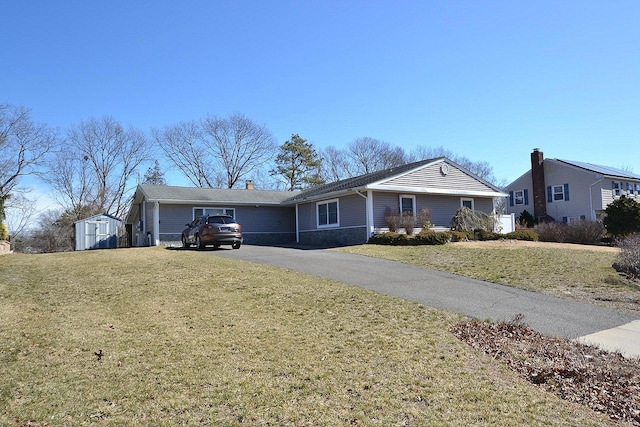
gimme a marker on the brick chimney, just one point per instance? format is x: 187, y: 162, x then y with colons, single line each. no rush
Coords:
x: 539, y: 187
x: 248, y: 185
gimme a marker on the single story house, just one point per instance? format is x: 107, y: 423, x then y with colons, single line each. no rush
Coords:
x: 565, y: 190
x: 345, y: 212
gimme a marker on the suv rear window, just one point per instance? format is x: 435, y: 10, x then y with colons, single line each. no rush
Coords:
x: 220, y: 220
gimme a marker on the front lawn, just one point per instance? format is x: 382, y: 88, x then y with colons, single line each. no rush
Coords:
x: 153, y: 336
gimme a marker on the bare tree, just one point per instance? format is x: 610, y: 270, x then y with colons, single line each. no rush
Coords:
x: 20, y: 212
x: 217, y: 152
x: 23, y: 146
x: 95, y: 170
x: 335, y: 164
x: 370, y: 155
x: 239, y: 145
x: 185, y: 146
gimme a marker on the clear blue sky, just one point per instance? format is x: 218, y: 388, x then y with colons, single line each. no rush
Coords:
x: 489, y: 80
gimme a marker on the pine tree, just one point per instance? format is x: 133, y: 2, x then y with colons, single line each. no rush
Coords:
x: 154, y: 175
x: 299, y: 163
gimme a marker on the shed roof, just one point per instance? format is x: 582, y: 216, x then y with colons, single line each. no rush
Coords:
x: 98, y: 216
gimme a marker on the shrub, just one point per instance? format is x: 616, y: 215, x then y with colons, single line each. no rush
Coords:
x: 628, y: 260
x: 528, y: 235
x: 526, y: 220
x: 423, y: 219
x: 392, y: 219
x: 460, y: 236
x: 390, y: 238
x: 486, y: 235
x: 428, y: 237
x: 581, y: 232
x: 623, y: 217
x: 550, y: 232
x: 4, y: 234
x: 585, y: 232
x: 466, y: 220
x: 408, y: 222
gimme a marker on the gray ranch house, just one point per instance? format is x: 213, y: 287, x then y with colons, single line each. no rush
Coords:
x: 566, y: 190
x: 345, y: 212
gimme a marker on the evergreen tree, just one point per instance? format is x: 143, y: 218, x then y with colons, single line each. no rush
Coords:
x: 154, y: 175
x: 299, y: 164
x: 623, y: 217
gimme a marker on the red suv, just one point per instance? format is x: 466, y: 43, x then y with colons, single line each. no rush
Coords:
x: 213, y: 230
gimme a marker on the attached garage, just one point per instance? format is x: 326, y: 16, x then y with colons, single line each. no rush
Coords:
x: 97, y: 232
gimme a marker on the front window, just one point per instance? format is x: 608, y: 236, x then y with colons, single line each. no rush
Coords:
x: 615, y: 186
x: 518, y: 197
x: 558, y: 192
x: 467, y: 203
x: 408, y: 204
x: 327, y: 213
x: 213, y: 211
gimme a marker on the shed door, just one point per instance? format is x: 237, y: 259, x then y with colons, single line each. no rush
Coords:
x: 97, y: 234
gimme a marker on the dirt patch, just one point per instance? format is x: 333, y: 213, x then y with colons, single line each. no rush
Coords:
x: 606, y: 382
x: 519, y: 244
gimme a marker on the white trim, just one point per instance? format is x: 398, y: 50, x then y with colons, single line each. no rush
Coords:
x: 433, y: 190
x: 369, y: 210
x: 297, y: 224
x: 204, y: 210
x: 156, y: 223
x: 329, y: 224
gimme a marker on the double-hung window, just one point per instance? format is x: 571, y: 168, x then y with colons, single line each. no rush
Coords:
x: 557, y: 193
x: 408, y: 204
x: 328, y: 213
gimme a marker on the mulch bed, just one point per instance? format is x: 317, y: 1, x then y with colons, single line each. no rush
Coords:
x: 606, y: 382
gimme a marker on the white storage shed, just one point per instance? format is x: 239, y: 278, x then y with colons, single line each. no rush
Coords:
x: 97, y: 232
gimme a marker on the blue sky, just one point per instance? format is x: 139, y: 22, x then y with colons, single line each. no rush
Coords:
x: 489, y: 80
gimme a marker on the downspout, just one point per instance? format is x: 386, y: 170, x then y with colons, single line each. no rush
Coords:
x: 156, y: 223
x: 591, y: 210
x: 144, y: 223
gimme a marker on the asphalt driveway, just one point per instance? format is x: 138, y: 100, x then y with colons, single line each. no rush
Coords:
x: 474, y: 298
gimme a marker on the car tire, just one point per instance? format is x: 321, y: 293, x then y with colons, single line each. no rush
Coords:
x: 185, y: 244
x: 236, y: 245
x: 199, y: 243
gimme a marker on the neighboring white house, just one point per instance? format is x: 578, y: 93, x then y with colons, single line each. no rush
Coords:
x: 339, y: 213
x: 565, y: 191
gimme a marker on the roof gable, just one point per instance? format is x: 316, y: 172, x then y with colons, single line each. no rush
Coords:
x: 422, y: 176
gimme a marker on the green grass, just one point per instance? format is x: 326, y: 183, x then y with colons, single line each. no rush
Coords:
x: 581, y: 274
x: 187, y: 338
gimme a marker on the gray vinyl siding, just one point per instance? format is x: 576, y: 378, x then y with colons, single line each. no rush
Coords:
x: 442, y: 207
x: 352, y: 213
x: 432, y: 177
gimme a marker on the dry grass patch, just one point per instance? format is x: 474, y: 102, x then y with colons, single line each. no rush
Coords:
x: 158, y: 337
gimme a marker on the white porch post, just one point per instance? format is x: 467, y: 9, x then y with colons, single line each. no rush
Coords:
x: 370, y: 223
x: 156, y: 223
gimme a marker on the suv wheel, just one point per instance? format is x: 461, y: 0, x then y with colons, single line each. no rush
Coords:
x: 199, y: 243
x: 185, y: 244
x: 236, y: 245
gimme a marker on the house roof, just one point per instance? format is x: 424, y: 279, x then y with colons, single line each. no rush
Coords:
x: 603, y: 170
x: 190, y: 195
x: 371, y: 179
